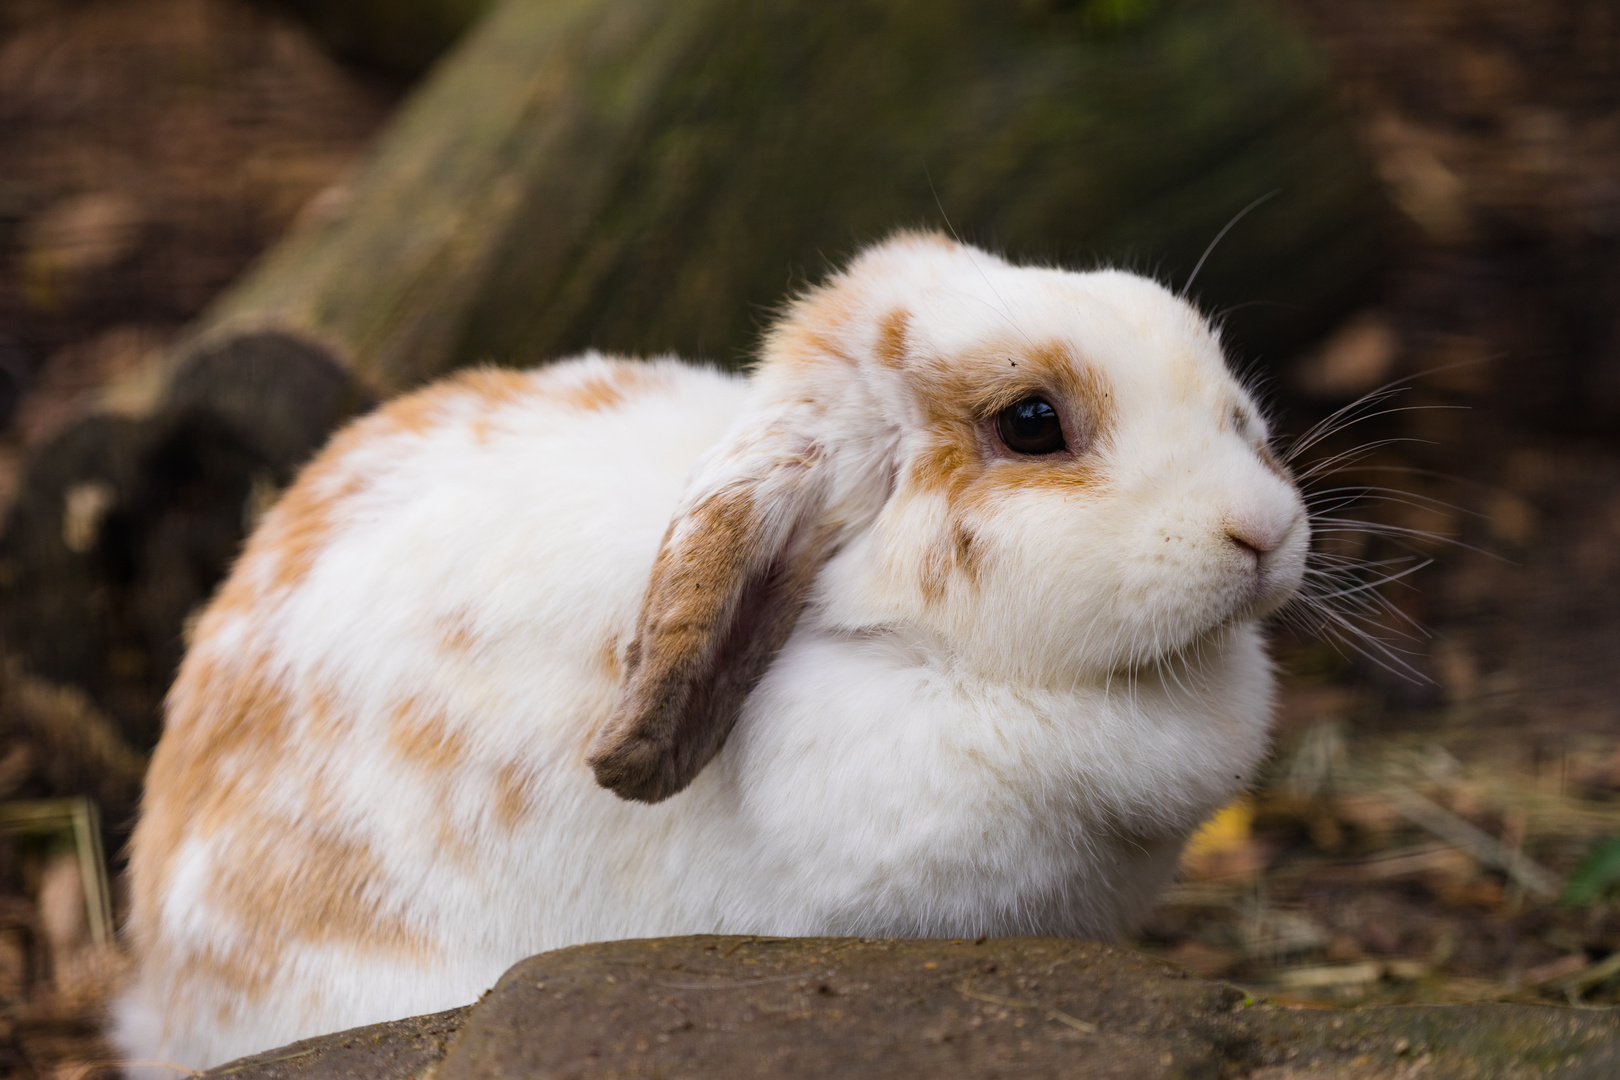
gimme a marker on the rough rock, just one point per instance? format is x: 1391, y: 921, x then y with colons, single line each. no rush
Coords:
x: 397, y: 1049
x: 862, y: 1010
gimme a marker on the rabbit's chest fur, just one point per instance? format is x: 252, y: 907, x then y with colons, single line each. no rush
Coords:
x: 964, y: 805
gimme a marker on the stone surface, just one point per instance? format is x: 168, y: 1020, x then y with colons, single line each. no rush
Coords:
x: 391, y: 1051
x: 863, y: 1010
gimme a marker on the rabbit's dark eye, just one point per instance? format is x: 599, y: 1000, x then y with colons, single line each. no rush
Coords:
x: 1030, y: 426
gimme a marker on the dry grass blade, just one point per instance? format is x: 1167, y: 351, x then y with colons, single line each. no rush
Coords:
x: 1399, y: 863
x: 1557, y: 973
x: 1484, y: 847
x: 749, y: 940
x: 1331, y: 975
x: 1587, y: 977
x: 967, y: 991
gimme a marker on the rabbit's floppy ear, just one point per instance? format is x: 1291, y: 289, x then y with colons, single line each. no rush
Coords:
x: 809, y: 464
x: 725, y: 590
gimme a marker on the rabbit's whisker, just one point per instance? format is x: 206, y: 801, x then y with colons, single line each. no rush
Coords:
x: 1237, y: 217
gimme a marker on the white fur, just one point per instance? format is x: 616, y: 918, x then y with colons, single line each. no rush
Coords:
x: 1023, y: 755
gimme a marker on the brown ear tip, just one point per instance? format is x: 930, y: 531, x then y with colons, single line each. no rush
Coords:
x: 635, y: 769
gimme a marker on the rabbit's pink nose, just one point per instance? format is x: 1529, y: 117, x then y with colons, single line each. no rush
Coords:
x: 1259, y: 537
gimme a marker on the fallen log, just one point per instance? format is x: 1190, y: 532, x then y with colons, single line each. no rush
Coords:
x: 643, y: 176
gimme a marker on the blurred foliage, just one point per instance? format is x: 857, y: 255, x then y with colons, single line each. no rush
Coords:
x: 1597, y: 875
x: 1112, y: 14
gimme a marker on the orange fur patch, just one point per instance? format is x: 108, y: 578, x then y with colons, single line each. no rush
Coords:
x: 594, y: 394
x: 610, y: 658
x: 301, y: 880
x: 284, y: 879
x: 891, y: 343
x: 232, y: 725
x: 809, y: 335
x: 414, y: 414
x: 424, y: 737
x: 457, y: 633
x: 325, y: 720
x: 960, y: 398
x: 935, y: 573
x: 492, y: 385
x: 512, y: 804
x: 966, y: 550
x: 609, y: 389
x: 302, y: 525
x: 418, y: 413
x: 958, y: 553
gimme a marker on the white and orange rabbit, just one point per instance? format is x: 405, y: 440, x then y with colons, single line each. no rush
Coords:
x: 943, y: 622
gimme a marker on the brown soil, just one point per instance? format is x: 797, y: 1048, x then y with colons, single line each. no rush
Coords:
x: 1495, y: 128
x: 152, y: 148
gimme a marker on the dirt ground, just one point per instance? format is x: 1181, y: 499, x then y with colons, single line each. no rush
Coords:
x: 1435, y: 822
x: 1432, y: 825
x: 152, y: 148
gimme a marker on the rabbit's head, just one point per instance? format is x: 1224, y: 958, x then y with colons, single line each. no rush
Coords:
x: 1052, y: 476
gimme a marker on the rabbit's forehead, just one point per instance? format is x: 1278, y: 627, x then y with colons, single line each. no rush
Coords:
x: 1104, y: 337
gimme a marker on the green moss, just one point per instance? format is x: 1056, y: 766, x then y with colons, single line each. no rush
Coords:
x: 794, y: 132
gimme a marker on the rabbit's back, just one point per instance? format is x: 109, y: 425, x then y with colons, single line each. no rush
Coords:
x: 415, y: 645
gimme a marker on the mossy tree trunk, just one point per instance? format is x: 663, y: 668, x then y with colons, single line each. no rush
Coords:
x: 648, y: 176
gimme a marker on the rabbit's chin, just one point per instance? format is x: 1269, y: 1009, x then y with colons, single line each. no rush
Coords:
x: 1245, y: 599
x: 1175, y: 654
x: 1190, y: 654
x: 1187, y: 642
x: 1265, y: 597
